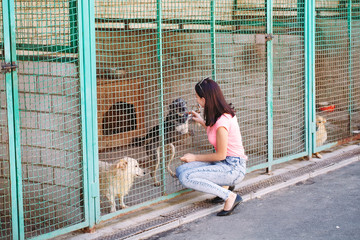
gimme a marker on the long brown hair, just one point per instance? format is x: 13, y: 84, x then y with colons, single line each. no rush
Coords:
x: 215, y: 103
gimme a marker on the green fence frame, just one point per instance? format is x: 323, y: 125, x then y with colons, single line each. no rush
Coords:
x: 86, y: 47
x: 311, y: 55
x: 13, y: 122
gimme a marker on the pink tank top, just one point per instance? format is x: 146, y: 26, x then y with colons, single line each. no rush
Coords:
x: 235, y: 147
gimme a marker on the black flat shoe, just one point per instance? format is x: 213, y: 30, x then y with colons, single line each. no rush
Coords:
x: 219, y: 199
x: 236, y: 203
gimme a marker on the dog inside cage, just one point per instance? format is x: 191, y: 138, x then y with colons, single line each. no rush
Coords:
x: 123, y: 170
x: 117, y: 178
x: 176, y: 124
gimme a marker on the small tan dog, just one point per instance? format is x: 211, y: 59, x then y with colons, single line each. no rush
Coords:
x: 117, y: 178
x: 321, y: 134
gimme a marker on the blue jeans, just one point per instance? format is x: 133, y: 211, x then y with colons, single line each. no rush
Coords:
x: 208, y: 177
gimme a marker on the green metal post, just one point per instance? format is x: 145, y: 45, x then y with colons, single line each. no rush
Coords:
x: 269, y: 53
x: 87, y: 56
x: 213, y: 38
x: 310, y: 73
x: 349, y: 15
x: 13, y: 121
x: 161, y: 89
x: 17, y: 210
x: 307, y: 83
x: 94, y: 147
x: 10, y: 116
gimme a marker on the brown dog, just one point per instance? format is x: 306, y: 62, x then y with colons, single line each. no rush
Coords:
x: 176, y: 126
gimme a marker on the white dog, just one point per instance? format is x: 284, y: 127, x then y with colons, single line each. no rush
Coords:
x: 117, y: 178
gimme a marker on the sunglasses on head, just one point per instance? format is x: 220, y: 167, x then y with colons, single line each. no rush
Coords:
x: 199, y: 84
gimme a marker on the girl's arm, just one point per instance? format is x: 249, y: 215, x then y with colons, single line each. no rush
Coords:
x: 221, y: 145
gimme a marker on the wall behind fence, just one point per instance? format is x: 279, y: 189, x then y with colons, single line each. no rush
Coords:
x: 51, y: 144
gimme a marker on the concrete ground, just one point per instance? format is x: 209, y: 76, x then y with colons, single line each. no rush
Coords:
x: 323, y: 207
x: 298, y: 200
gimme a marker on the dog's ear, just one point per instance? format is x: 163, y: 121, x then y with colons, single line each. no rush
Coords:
x: 178, y: 104
x: 172, y: 105
x: 121, y: 164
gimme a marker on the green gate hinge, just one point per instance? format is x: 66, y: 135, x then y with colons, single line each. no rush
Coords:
x: 8, y: 67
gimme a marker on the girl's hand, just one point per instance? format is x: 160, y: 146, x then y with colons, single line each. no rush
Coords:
x: 197, y: 117
x: 189, y: 157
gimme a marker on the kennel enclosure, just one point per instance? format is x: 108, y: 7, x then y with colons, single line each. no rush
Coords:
x: 81, y: 79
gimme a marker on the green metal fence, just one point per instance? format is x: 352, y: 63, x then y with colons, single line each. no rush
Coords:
x: 42, y: 139
x: 337, y: 68
x: 5, y: 189
x: 83, y: 81
x: 50, y: 117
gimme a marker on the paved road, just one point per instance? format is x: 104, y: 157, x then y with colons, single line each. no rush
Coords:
x: 324, y: 207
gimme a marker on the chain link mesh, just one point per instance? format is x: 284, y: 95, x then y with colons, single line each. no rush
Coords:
x: 337, y: 68
x: 289, y: 78
x: 50, y: 117
x: 241, y: 71
x: 354, y: 68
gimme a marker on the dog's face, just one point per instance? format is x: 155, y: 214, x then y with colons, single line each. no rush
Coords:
x: 320, y: 121
x: 179, y: 110
x: 130, y: 166
x: 180, y: 115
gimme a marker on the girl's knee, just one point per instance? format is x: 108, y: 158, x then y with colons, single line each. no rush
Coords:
x: 180, y: 176
x: 178, y: 171
x: 183, y: 178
